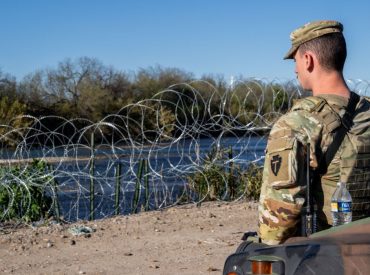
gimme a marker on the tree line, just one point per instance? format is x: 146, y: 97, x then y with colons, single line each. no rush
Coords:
x: 86, y: 88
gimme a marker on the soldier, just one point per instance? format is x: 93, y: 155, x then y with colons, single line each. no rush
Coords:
x: 336, y: 124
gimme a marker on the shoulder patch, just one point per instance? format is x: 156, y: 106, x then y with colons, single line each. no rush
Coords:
x: 282, y: 162
x: 275, y: 164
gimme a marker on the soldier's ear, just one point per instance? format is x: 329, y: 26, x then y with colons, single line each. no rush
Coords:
x: 309, y: 60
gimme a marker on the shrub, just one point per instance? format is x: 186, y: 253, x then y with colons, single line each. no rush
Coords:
x: 210, y: 183
x: 220, y: 178
x: 253, y: 178
x: 23, y: 192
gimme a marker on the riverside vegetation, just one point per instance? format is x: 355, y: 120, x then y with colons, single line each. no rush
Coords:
x: 90, y: 91
x: 23, y: 193
x: 219, y: 182
x: 86, y: 89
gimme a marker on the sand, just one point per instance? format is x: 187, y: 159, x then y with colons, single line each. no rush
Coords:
x: 185, y: 239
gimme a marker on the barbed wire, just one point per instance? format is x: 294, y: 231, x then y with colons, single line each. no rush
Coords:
x: 188, y: 143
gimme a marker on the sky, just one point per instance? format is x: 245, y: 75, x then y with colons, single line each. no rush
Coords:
x: 204, y: 37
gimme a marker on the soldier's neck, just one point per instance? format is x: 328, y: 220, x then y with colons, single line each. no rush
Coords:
x: 330, y: 83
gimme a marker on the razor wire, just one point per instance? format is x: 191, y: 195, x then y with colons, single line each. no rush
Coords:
x: 152, y: 154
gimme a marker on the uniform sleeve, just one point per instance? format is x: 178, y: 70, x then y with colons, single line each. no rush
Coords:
x: 282, y: 191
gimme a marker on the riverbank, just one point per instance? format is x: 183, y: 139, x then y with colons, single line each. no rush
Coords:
x: 179, y: 240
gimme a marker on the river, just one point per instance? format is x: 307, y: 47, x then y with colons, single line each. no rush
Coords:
x: 169, y: 166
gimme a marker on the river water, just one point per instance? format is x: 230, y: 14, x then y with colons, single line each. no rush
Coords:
x: 166, y: 176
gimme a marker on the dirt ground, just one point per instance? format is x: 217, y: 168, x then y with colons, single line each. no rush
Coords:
x: 179, y: 240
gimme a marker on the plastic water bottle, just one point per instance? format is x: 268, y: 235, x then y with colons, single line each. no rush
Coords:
x: 341, y: 205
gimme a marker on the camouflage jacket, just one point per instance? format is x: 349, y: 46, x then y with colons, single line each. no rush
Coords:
x: 313, y: 120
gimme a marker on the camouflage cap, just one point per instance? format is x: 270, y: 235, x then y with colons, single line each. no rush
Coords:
x: 310, y: 31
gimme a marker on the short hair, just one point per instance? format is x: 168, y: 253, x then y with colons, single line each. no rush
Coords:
x: 330, y: 50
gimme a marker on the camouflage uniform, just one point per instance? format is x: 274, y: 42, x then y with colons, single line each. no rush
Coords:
x: 313, y: 120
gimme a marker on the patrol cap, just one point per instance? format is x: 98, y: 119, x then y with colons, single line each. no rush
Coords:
x: 310, y: 31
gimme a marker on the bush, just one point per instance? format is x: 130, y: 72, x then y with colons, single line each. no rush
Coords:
x: 220, y: 178
x: 210, y: 183
x: 253, y: 177
x: 23, y: 192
